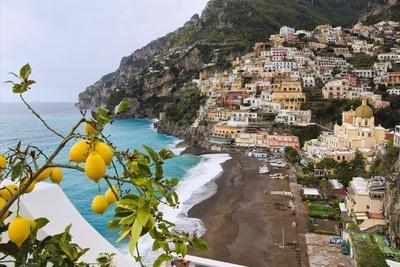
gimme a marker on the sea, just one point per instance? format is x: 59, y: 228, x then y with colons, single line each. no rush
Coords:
x: 196, y: 173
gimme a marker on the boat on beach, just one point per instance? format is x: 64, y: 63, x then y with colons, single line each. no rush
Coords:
x: 263, y: 170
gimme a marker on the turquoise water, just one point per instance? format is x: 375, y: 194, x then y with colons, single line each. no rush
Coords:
x: 17, y: 123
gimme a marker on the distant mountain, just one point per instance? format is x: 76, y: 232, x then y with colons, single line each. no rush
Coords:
x: 156, y: 75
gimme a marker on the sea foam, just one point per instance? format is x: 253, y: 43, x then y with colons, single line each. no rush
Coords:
x: 197, y: 186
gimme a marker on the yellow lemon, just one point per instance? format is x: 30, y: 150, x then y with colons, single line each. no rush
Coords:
x: 99, y: 204
x: 44, y: 174
x: 110, y: 196
x: 8, y: 191
x: 79, y: 151
x: 2, y: 204
x: 89, y: 129
x: 105, y: 152
x: 3, y: 162
x: 95, y: 168
x: 19, y: 230
x: 56, y: 175
x: 30, y: 187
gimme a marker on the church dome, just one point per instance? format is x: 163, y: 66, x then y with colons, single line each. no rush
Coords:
x: 364, y: 111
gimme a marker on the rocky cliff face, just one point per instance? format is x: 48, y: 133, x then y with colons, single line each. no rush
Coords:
x: 392, y: 206
x: 152, y: 74
x: 193, y: 136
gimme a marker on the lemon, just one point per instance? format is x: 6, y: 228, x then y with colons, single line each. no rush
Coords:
x: 89, y: 129
x: 99, y: 204
x: 79, y: 151
x: 30, y: 187
x: 3, y: 162
x: 8, y: 191
x: 105, y: 152
x: 95, y: 168
x: 56, y: 175
x: 44, y: 174
x: 2, y: 204
x: 110, y: 196
x: 19, y: 230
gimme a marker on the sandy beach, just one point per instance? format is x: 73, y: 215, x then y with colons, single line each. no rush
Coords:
x: 244, y: 221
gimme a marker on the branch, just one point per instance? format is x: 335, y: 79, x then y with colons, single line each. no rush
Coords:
x: 23, y: 188
x: 40, y: 118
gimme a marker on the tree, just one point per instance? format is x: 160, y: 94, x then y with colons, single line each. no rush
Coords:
x: 327, y: 164
x: 292, y: 155
x: 358, y: 164
x: 137, y: 191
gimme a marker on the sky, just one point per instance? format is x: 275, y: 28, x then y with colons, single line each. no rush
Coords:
x: 70, y: 44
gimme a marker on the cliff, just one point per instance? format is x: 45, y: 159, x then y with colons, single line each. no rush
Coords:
x: 151, y: 76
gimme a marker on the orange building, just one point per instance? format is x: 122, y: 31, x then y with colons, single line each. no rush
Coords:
x: 394, y: 79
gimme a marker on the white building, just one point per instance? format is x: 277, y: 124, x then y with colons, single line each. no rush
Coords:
x: 364, y: 73
x: 294, y: 117
x: 392, y: 57
x: 396, y: 138
x: 308, y: 80
x: 394, y: 91
x: 285, y: 31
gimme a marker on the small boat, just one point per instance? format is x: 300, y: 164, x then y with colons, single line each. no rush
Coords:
x: 263, y: 170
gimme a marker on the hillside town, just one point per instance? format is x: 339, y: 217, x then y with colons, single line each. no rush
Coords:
x: 252, y: 105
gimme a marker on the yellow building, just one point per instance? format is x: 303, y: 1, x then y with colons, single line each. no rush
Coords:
x: 218, y: 114
x: 289, y: 95
x: 357, y: 132
x: 227, y: 131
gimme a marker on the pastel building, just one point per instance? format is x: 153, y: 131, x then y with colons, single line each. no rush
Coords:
x: 289, y: 95
x: 357, y: 133
x: 364, y: 201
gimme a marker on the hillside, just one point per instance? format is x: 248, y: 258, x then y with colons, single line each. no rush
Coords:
x: 157, y: 74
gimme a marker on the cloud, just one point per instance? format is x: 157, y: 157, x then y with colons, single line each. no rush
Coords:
x: 72, y: 43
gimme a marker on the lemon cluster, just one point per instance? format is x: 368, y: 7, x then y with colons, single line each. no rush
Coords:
x: 96, y: 155
x: 100, y: 203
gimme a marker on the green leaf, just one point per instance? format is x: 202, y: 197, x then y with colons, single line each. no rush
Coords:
x: 161, y: 259
x: 41, y: 222
x: 25, y: 71
x: 130, y: 204
x: 136, y: 230
x: 143, y: 214
x: 173, y: 182
x: 199, y: 244
x: 127, y: 220
x: 121, y: 107
x: 159, y: 171
x: 113, y: 224
x: 181, y: 248
x: 123, y: 233
x: 152, y: 153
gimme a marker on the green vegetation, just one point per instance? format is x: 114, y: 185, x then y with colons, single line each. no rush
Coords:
x: 305, y: 133
x: 389, y: 117
x: 392, y: 13
x: 320, y: 210
x: 362, y: 61
x: 371, y: 250
x: 326, y: 112
x: 343, y: 171
x: 384, y: 164
x: 184, y: 106
x: 292, y: 155
x: 249, y: 21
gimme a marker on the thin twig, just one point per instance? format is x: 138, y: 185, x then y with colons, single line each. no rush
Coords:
x: 40, y: 170
x: 40, y: 118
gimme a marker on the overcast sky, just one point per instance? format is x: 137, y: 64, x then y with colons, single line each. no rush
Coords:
x: 70, y: 44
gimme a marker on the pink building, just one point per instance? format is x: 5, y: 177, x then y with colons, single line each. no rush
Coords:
x: 276, y: 140
x: 336, y: 89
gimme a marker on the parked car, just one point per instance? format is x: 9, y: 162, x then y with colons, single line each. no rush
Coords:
x: 336, y: 240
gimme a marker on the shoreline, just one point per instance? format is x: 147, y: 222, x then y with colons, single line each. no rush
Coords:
x: 243, y: 223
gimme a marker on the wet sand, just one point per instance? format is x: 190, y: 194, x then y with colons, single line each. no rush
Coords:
x: 244, y: 224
